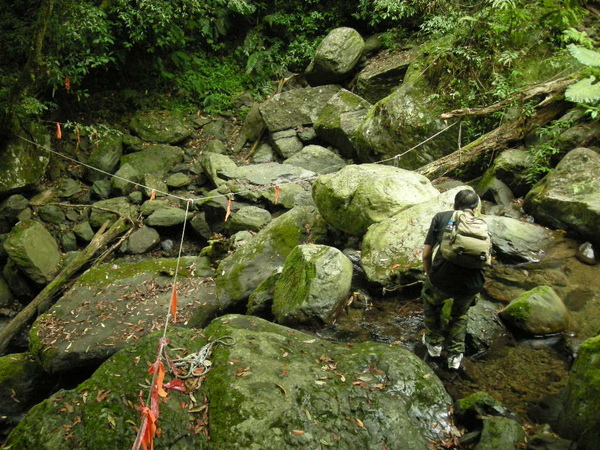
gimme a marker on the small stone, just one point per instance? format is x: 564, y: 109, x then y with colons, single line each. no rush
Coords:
x: 586, y: 254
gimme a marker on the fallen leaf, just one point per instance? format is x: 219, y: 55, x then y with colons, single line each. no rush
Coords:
x: 359, y: 423
x: 298, y: 432
x: 102, y: 394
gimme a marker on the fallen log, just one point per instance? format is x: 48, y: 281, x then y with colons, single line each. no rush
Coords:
x: 549, y: 89
x: 496, y: 140
x: 42, y: 302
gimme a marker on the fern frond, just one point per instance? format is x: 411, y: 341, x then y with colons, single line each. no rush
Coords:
x: 584, y: 55
x: 584, y: 91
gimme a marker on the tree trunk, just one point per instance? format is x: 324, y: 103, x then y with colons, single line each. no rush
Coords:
x: 29, y: 78
x: 500, y: 138
x: 42, y: 302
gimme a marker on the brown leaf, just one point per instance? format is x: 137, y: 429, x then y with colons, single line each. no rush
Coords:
x: 102, y: 394
x: 243, y: 372
x: 298, y: 432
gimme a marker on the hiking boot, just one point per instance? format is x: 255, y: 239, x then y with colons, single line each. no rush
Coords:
x: 454, y: 361
x: 434, y: 350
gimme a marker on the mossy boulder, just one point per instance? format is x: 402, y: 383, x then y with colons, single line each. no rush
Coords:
x: 23, y: 164
x: 34, y: 250
x: 314, y: 284
x: 164, y: 127
x: 358, y: 196
x: 317, y: 159
x: 471, y: 410
x: 389, y: 247
x: 112, y: 305
x: 340, y: 119
x: 22, y: 383
x: 242, y: 271
x: 105, y: 156
x: 110, y: 210
x: 296, y: 108
x: 336, y: 56
x: 580, y: 418
x: 537, y: 312
x: 405, y: 123
x: 568, y: 198
x: 157, y: 159
x: 501, y: 433
x: 273, y: 388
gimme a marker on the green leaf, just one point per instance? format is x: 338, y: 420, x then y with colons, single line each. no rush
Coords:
x: 584, y: 91
x: 584, y: 55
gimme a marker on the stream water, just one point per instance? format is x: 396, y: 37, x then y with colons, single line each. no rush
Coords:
x: 521, y: 374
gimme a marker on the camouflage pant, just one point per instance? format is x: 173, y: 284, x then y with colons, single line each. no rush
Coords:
x: 445, y: 328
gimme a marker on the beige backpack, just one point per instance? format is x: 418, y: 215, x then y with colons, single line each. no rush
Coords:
x: 466, y: 241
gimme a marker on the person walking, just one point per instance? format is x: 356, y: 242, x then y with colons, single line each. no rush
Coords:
x: 446, y: 280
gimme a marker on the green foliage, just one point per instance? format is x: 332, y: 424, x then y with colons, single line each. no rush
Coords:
x: 543, y: 154
x: 479, y: 58
x: 388, y: 13
x: 585, y: 56
x: 587, y: 90
x: 213, y: 82
x: 573, y: 36
x: 541, y: 162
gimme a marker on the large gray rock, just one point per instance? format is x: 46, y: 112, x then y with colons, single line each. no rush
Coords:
x: 295, y: 108
x: 289, y: 195
x: 358, y: 196
x: 580, y: 417
x: 405, y: 123
x: 159, y: 159
x: 22, y: 164
x: 140, y: 241
x: 272, y: 388
x: 112, y: 305
x: 511, y: 167
x: 271, y: 173
x: 250, y: 218
x: 483, y: 326
x: 383, y: 74
x: 125, y: 180
x: 166, y: 217
x: 314, y: 284
x: 391, y: 248
x: 219, y: 168
x: 568, y: 198
x: 33, y: 249
x: 339, y: 121
x: 10, y: 209
x: 241, y: 272
x: 336, y: 56
x: 286, y: 143
x: 164, y: 127
x: 537, y: 312
x: 110, y: 210
x: 518, y: 241
x: 105, y: 156
x: 317, y: 159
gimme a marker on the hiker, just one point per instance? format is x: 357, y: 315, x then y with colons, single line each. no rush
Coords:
x: 444, y: 280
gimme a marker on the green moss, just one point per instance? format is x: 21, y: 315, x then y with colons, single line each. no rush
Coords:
x: 13, y: 365
x: 121, y: 269
x: 518, y: 310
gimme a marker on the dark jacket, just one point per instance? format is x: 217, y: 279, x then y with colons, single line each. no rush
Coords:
x: 455, y: 280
